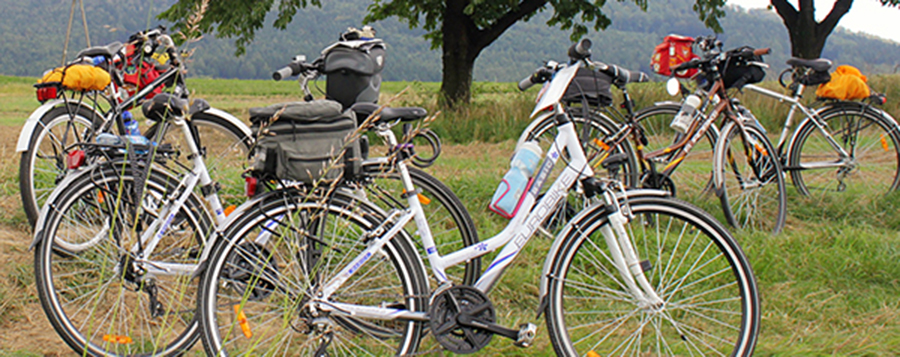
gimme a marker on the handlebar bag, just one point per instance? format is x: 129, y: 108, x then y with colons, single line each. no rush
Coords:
x: 306, y: 142
x: 589, y: 85
x: 78, y: 77
x: 140, y: 70
x: 847, y: 83
x: 674, y: 50
x: 738, y: 71
x: 353, y: 71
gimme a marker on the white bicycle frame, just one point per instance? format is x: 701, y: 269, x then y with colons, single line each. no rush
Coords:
x: 514, y: 236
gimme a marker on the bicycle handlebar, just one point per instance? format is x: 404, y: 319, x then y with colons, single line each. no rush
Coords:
x: 580, y: 50
x: 541, y: 75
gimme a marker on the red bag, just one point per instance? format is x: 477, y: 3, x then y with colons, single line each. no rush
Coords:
x: 135, y: 76
x: 674, y: 50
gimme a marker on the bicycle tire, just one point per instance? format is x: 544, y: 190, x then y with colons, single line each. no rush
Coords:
x: 871, y: 139
x: 43, y: 165
x: 452, y: 226
x: 251, y: 305
x: 749, y: 179
x: 226, y: 148
x: 99, y: 301
x: 692, y: 180
x: 695, y: 265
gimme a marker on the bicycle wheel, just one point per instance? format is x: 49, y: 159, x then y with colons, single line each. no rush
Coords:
x: 873, y: 145
x: 106, y: 298
x: 749, y: 179
x: 43, y: 165
x: 589, y: 125
x: 256, y: 293
x: 692, y: 180
x: 451, y: 225
x: 710, y: 298
x: 226, y: 150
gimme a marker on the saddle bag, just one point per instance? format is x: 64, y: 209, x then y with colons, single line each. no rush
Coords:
x: 305, y: 142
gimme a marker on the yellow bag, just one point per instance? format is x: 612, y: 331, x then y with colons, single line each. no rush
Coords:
x: 847, y: 83
x: 78, y: 77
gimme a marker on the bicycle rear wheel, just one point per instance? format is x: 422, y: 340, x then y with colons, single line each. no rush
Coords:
x: 255, y: 296
x: 871, y: 140
x: 102, y: 296
x: 749, y: 180
x: 711, y: 302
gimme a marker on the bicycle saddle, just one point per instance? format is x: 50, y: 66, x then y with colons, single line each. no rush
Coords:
x: 364, y: 110
x: 818, y: 64
x: 166, y: 105
x: 108, y: 51
x: 622, y: 76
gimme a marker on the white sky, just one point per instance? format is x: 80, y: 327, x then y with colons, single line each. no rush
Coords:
x: 867, y: 16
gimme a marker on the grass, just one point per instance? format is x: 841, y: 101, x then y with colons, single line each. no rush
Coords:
x: 830, y: 284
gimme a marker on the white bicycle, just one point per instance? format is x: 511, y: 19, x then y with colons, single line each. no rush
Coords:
x: 636, y: 273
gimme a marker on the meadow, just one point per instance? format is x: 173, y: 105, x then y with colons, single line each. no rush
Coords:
x: 830, y: 283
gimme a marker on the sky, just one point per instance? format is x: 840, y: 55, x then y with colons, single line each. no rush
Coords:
x: 867, y: 16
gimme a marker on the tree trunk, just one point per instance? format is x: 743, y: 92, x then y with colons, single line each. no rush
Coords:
x: 459, y: 53
x: 807, y: 36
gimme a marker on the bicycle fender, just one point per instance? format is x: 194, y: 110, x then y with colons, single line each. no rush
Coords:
x: 25, y: 135
x: 231, y: 119
x: 66, y: 182
x: 561, y: 240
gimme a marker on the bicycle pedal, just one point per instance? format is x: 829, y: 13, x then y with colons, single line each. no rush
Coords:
x: 526, y: 335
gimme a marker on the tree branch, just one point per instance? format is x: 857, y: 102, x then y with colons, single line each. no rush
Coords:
x: 787, y: 11
x: 841, y: 7
x: 490, y: 34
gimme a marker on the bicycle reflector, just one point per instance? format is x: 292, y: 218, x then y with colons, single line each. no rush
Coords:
x: 250, y: 184
x: 75, y: 159
x: 242, y: 321
x: 46, y: 93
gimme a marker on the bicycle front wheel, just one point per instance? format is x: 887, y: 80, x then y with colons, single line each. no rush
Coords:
x: 710, y: 298
x: 258, y: 294
x: 871, y: 141
x: 102, y: 293
x: 749, y: 180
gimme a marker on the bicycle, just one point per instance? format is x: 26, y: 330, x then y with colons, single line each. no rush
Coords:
x: 739, y: 152
x: 837, y: 141
x: 341, y: 276
x: 68, y: 117
x: 128, y: 236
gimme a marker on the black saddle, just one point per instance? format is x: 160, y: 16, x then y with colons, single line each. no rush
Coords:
x: 818, y: 64
x: 364, y: 110
x: 165, y: 105
x: 107, y: 51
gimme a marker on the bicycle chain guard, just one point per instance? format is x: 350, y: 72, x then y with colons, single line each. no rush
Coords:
x: 452, y: 305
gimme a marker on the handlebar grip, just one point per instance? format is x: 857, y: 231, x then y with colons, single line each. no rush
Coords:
x: 693, y: 63
x: 292, y: 69
x: 762, y: 51
x: 580, y: 50
x: 526, y: 83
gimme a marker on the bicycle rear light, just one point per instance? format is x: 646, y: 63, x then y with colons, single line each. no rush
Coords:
x: 75, y: 159
x: 46, y: 93
x: 250, y: 184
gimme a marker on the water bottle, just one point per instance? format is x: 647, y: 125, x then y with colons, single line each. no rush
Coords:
x: 512, y: 188
x: 685, y: 116
x: 133, y: 131
x: 108, y: 139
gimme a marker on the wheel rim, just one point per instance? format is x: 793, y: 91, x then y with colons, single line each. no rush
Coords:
x: 47, y: 162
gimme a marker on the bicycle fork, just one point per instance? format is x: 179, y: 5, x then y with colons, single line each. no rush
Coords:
x: 625, y: 257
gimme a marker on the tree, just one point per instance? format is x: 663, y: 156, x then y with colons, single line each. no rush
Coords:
x: 807, y: 35
x: 461, y: 28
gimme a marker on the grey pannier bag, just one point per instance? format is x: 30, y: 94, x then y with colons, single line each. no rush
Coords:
x: 301, y: 141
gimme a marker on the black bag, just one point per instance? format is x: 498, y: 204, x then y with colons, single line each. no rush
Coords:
x: 302, y: 140
x: 591, y: 85
x: 738, y: 71
x: 814, y: 78
x: 353, y: 70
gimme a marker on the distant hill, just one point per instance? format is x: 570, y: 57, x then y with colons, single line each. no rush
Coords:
x: 34, y: 33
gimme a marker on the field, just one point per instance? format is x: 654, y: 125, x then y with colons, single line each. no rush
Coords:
x: 830, y: 284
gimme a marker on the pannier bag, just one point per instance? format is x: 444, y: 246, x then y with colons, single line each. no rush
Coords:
x: 302, y: 141
x: 353, y: 70
x: 738, y: 72
x: 78, y: 77
x: 591, y: 85
x: 847, y: 83
x: 674, y: 50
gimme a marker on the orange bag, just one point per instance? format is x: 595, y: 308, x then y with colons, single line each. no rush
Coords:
x: 78, y: 77
x: 673, y: 51
x: 847, y: 83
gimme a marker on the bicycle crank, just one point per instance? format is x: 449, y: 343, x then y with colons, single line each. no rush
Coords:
x: 462, y: 321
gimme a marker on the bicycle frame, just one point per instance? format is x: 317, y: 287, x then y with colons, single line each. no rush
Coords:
x: 513, y: 237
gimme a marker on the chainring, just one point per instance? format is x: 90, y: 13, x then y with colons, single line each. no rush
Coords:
x: 447, y: 306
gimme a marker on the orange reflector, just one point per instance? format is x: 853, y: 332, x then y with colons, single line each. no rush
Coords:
x: 592, y: 354
x: 100, y: 198
x: 242, y: 321
x: 424, y: 200
x: 601, y: 144
x: 761, y: 150
x: 229, y: 209
x: 884, y: 144
x: 123, y: 340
